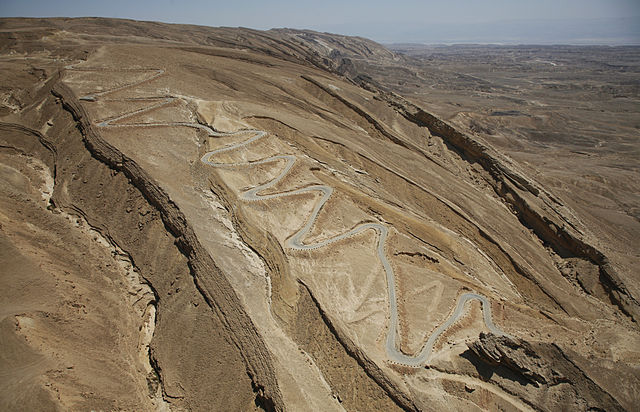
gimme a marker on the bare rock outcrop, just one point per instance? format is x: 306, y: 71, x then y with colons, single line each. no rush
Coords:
x: 551, y: 371
x: 518, y: 356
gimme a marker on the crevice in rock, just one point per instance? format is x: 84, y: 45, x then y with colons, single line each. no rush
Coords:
x: 419, y: 255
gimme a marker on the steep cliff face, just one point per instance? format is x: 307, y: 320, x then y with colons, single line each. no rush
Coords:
x: 295, y: 241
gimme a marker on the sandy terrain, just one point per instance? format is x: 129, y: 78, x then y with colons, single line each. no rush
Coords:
x: 227, y: 219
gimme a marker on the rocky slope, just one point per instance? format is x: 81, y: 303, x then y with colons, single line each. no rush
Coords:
x: 125, y: 195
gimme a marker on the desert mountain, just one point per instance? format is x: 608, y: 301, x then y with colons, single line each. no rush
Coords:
x: 198, y: 218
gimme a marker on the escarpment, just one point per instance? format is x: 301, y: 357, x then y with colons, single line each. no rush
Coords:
x: 286, y: 236
x: 204, y: 345
x: 197, y: 281
x: 536, y: 208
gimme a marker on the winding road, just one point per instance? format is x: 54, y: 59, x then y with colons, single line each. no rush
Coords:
x: 296, y: 241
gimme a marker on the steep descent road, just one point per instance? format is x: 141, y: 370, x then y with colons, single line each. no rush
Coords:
x: 295, y: 242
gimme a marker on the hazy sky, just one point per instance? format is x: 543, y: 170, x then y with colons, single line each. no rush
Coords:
x: 508, y: 21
